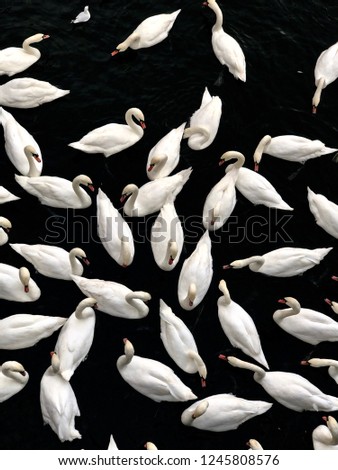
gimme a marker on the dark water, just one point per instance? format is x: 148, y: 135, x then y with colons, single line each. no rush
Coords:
x: 281, y: 41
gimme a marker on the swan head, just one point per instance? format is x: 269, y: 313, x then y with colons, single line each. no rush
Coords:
x: 24, y: 276
x: 138, y: 115
x: 55, y: 361
x: 316, y: 97
x: 79, y: 253
x: 173, y: 251
x: 30, y: 152
x: 129, y: 350
x: 128, y: 191
x: 316, y: 362
x: 200, y: 409
x: 16, y: 369
x: 83, y: 180
x: 123, y: 46
x: 234, y: 264
x: 253, y: 444
x: 257, y: 157
x: 150, y: 446
x: 230, y: 155
x: 5, y: 224
x: 333, y: 304
x: 225, y: 291
x: 157, y: 159
x: 290, y: 302
x: 35, y: 38
x: 192, y: 292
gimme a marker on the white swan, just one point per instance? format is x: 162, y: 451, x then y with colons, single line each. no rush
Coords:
x: 76, y: 337
x: 239, y: 327
x: 23, y: 330
x: 290, y: 390
x: 221, y: 199
x: 325, y: 436
x: 167, y: 237
x: 5, y: 226
x: 58, y: 402
x: 114, y: 137
x: 293, y: 148
x: 332, y: 365
x: 204, y: 122
x: 196, y: 274
x: 17, y: 59
x: 226, y: 48
x: 325, y: 72
x: 7, y: 196
x: 151, y: 378
x: 149, y: 32
x: 114, y: 298
x: 17, y: 285
x: 305, y: 324
x: 13, y: 378
x: 180, y: 343
x: 28, y: 92
x: 324, y: 211
x: 150, y: 197
x: 258, y: 190
x: 83, y: 16
x: 282, y: 262
x: 222, y: 412
x: 58, y: 192
x: 53, y: 261
x: 163, y: 158
x: 114, y: 232
x: 20, y: 145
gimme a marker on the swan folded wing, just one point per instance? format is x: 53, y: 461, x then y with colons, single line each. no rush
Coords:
x: 154, y: 29
x: 57, y: 189
x: 228, y: 51
x: 243, y: 334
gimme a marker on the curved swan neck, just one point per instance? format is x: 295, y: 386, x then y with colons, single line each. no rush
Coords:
x: 14, y: 370
x: 77, y: 181
x: 157, y: 163
x: 131, y: 298
x: 189, y: 131
x: 32, y: 156
x: 257, y: 157
x: 219, y: 14
x: 85, y: 308
x: 231, y: 154
x: 171, y: 252
x: 26, y: 45
x: 258, y: 261
x: 188, y: 417
x: 191, y: 296
x: 225, y: 298
x: 294, y: 309
x: 317, y: 95
x: 128, y: 353
x: 130, y: 121
x: 202, y: 370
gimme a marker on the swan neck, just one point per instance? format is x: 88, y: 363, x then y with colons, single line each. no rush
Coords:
x: 257, y: 261
x: 126, y: 256
x: 32, y: 170
x: 264, y: 142
x: 78, y: 190
x: 197, y: 130
x: 73, y: 263
x: 131, y: 123
x: 318, y: 92
x: 199, y: 364
x: 131, y: 298
x: 219, y: 16
x: 26, y: 46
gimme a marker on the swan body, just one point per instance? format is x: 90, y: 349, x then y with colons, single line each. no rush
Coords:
x: 332, y: 365
x: 114, y: 137
x: 114, y: 298
x: 150, y: 197
x: 180, y: 343
x: 24, y: 330
x: 325, y: 72
x: 58, y: 402
x: 76, y: 337
x: 293, y: 148
x: 222, y: 412
x: 283, y: 262
x: 290, y: 390
x: 239, y: 327
x: 149, y: 32
x: 163, y: 158
x: 58, y: 192
x: 13, y: 378
x: 167, y: 237
x: 83, y: 16
x: 324, y: 211
x: 5, y: 226
x: 17, y: 59
x: 226, y: 48
x: 113, y: 231
x: 325, y: 436
x: 28, y: 92
x: 305, y: 324
x: 204, y: 122
x: 7, y: 196
x: 196, y: 274
x: 17, y: 142
x: 151, y: 378
x: 258, y: 190
x: 221, y: 200
x: 53, y: 261
x: 17, y: 285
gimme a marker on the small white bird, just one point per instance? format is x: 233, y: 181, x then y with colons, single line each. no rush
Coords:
x: 83, y: 16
